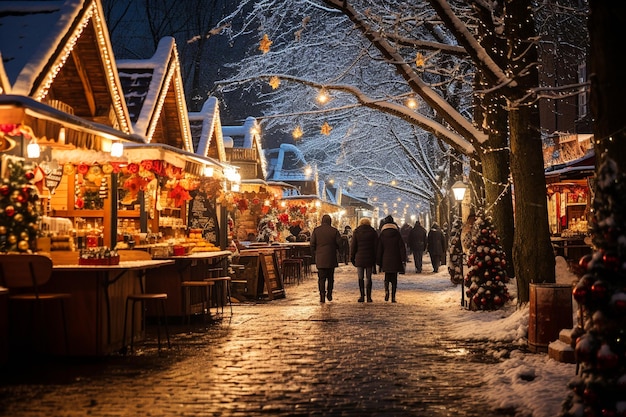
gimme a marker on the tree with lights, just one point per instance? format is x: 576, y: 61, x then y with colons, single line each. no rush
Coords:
x: 600, y: 344
x: 486, y: 278
x: 19, y: 210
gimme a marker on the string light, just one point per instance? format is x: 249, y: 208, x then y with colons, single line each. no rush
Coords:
x: 411, y: 103
x: 323, y: 97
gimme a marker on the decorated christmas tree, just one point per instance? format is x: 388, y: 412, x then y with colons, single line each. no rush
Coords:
x: 600, y: 388
x: 486, y: 279
x: 19, y: 211
x: 455, y: 265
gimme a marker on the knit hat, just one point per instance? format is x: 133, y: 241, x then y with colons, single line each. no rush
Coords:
x: 388, y: 220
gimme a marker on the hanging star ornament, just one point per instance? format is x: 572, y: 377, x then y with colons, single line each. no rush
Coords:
x: 274, y: 82
x: 297, y: 133
x: 419, y: 59
x: 264, y: 45
x: 326, y: 128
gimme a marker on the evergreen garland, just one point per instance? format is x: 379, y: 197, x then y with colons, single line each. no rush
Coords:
x: 487, y: 278
x: 19, y: 211
x: 455, y: 266
x: 600, y: 344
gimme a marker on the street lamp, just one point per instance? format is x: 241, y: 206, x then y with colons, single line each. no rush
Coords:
x: 458, y: 189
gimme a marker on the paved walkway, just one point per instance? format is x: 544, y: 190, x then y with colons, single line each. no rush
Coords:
x: 288, y: 357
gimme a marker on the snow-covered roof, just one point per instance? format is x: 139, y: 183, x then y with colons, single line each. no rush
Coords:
x: 153, y: 88
x: 207, y: 130
x: 246, y: 136
x: 287, y: 164
x: 44, y: 44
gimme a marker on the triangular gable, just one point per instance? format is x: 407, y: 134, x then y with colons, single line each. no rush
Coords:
x: 207, y: 125
x: 60, y: 53
x: 247, y: 136
x: 153, y: 89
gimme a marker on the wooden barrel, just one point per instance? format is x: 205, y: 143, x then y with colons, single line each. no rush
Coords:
x: 550, y: 312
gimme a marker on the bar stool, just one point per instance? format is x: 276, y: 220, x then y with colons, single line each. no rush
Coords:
x: 222, y: 293
x: 205, y: 296
x: 292, y: 270
x: 142, y: 298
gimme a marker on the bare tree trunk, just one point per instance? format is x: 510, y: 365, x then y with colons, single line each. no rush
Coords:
x: 608, y: 84
x: 533, y: 256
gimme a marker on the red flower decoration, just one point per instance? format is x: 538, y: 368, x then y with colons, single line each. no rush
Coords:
x: 284, y: 218
x: 82, y: 168
x: 79, y: 203
x: 133, y: 168
x: 157, y: 166
x: 8, y: 127
x: 147, y: 165
x: 242, y: 204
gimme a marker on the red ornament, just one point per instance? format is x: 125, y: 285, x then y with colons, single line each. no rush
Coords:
x: 607, y: 359
x: 9, y: 211
x: 599, y: 291
x: 5, y: 189
x: 584, y: 261
x: 611, y: 261
x: 82, y: 168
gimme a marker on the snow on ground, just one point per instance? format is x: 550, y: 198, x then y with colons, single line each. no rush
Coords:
x: 532, y: 383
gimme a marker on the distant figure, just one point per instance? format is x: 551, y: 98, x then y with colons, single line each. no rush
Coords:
x: 436, y: 246
x: 295, y: 228
x: 390, y: 255
x: 325, y: 242
x: 344, y: 249
x: 363, y: 256
x: 417, y: 244
x: 405, y: 230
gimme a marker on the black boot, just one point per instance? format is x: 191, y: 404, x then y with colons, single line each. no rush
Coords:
x: 362, y: 290
x: 393, y: 293
x: 322, y: 297
x: 386, y: 290
x: 369, y: 291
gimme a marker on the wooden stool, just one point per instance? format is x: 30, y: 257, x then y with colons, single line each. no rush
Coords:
x: 292, y: 270
x: 142, y: 298
x: 205, y: 296
x: 222, y: 291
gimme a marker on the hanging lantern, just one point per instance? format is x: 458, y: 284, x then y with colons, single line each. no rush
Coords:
x: 326, y: 128
x: 274, y: 82
x: 297, y: 133
x: 264, y: 44
x: 419, y: 59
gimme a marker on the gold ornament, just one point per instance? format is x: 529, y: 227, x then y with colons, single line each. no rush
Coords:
x: 24, y: 235
x: 107, y: 168
x: 3, y: 230
x: 19, y: 217
x: 264, y: 45
x: 297, y: 133
x: 326, y: 128
x: 12, y: 239
x: 68, y: 169
x: 274, y: 82
x: 23, y: 245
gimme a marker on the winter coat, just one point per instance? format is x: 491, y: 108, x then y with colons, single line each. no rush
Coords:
x: 391, y: 251
x: 325, y: 242
x: 363, y: 246
x: 417, y: 238
x: 436, y: 242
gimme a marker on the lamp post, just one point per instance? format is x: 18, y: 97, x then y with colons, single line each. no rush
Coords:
x: 458, y: 189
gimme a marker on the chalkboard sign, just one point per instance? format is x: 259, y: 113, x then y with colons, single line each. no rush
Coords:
x: 271, y: 276
x: 203, y: 215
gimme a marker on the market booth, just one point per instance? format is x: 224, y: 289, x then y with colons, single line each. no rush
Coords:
x: 569, y: 196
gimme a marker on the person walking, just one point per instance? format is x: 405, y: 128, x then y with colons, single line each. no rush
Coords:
x: 363, y: 256
x: 325, y: 242
x: 417, y: 244
x: 436, y: 246
x: 391, y: 255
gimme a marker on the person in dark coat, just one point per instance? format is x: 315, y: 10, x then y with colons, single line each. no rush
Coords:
x: 363, y: 256
x: 436, y: 246
x: 391, y: 255
x: 417, y: 244
x: 325, y: 242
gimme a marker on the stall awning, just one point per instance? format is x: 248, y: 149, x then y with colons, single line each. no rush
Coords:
x: 577, y: 169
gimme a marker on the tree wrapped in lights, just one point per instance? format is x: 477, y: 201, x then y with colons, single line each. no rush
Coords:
x: 487, y: 278
x: 19, y: 211
x: 455, y: 265
x: 600, y: 390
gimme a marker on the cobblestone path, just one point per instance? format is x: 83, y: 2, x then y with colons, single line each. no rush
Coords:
x: 289, y: 357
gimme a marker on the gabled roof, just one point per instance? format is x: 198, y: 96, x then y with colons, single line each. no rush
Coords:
x: 5, y: 85
x: 153, y: 89
x: 246, y: 136
x: 286, y: 164
x: 206, y: 128
x: 60, y: 51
